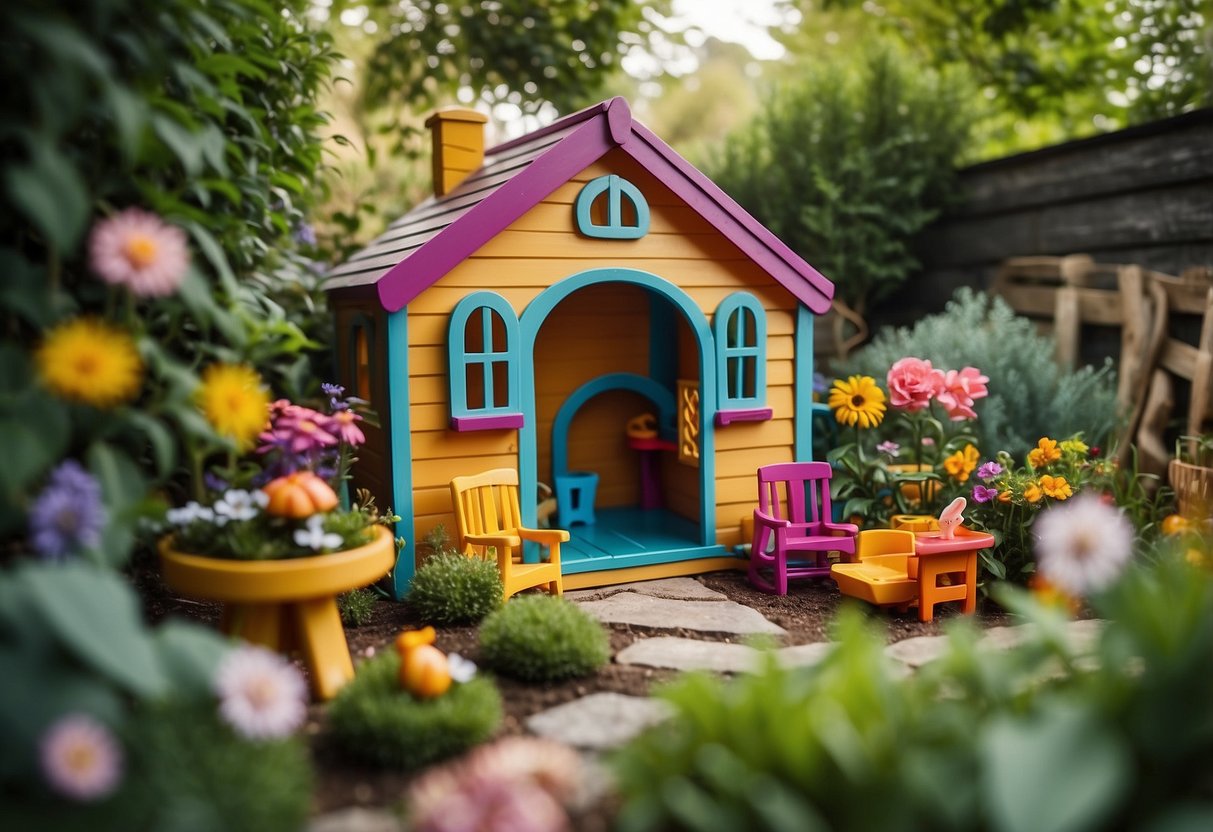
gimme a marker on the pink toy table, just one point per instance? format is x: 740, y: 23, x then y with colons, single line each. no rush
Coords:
x: 650, y: 477
x: 936, y: 557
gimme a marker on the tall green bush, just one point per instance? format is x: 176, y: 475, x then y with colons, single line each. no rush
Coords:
x: 848, y: 164
x: 1030, y: 395
x: 203, y: 113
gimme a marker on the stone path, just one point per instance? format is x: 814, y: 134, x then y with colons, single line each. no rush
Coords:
x: 602, y: 721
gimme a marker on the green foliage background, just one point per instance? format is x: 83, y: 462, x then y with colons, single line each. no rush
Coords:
x: 846, y: 164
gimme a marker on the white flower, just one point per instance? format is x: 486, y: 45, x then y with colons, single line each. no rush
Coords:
x: 238, y: 504
x: 80, y: 758
x: 462, y: 670
x: 1082, y: 545
x: 261, y: 694
x: 315, y: 537
x: 189, y: 513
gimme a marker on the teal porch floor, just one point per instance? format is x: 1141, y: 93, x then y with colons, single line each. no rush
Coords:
x: 624, y: 537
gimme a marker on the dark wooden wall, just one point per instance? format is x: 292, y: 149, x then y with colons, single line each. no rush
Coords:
x: 1142, y: 195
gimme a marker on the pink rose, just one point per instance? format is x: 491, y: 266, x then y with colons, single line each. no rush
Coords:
x: 913, y: 383
x: 959, y: 390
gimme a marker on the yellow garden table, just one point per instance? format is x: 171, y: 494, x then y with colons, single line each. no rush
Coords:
x: 289, y: 603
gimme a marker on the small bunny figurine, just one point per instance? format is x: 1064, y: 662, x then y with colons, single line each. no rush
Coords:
x: 951, y: 517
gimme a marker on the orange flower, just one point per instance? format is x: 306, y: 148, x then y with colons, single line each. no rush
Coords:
x: 1005, y: 496
x: 960, y: 464
x: 1056, y: 487
x: 1052, y: 596
x: 1033, y: 493
x: 1175, y: 524
x: 1046, y: 451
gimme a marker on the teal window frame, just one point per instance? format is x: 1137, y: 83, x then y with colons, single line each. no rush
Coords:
x: 736, y: 317
x: 616, y: 189
x: 479, y: 309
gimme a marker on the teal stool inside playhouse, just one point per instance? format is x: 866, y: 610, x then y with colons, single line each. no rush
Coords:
x: 575, y: 495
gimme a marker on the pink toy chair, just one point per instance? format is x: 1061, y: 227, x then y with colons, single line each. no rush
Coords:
x: 794, y: 512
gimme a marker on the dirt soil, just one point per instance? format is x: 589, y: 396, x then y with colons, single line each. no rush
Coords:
x: 806, y: 613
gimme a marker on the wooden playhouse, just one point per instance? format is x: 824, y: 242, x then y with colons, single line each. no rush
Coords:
x: 556, y: 292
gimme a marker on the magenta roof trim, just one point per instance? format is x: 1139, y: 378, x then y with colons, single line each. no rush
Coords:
x: 413, y: 275
x: 757, y: 241
x: 597, y: 130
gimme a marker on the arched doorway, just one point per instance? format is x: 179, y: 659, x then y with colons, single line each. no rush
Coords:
x: 577, y: 349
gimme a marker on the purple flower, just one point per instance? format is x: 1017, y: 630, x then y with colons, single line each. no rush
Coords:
x: 214, y: 482
x: 820, y: 383
x: 304, y: 234
x: 889, y: 447
x: 981, y: 494
x: 334, y: 390
x: 989, y: 471
x: 68, y: 515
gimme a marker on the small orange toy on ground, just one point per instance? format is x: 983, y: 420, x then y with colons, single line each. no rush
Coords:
x: 424, y: 671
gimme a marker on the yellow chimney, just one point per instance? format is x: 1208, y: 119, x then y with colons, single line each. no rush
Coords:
x: 458, y: 136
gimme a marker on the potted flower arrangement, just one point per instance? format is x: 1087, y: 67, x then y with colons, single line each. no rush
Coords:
x: 1191, y: 475
x: 923, y: 460
x: 270, y: 538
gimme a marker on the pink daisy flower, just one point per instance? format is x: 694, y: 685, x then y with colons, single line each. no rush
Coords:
x: 261, y: 694
x: 80, y: 758
x: 140, y: 251
x: 345, y: 424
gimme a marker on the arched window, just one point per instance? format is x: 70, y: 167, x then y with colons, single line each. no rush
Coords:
x: 482, y: 346
x: 361, y: 347
x: 612, y: 208
x: 741, y: 359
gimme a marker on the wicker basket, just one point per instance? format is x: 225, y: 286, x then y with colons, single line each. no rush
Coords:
x: 1193, y: 486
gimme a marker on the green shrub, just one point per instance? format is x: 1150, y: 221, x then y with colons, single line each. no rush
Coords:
x: 980, y: 739
x: 849, y: 163
x: 451, y: 588
x: 357, y: 607
x: 542, y: 638
x: 373, y: 720
x: 1030, y: 395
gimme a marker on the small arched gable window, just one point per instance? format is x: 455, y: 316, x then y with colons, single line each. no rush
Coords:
x: 361, y: 350
x: 482, y: 347
x: 740, y: 326
x: 612, y: 208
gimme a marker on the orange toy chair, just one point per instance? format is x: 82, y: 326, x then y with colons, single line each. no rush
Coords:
x: 487, y: 516
x: 886, y: 574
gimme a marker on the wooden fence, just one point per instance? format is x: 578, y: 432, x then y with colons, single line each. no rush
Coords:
x: 1142, y: 195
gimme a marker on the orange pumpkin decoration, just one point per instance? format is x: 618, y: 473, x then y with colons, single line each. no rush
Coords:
x: 423, y: 667
x: 299, y: 496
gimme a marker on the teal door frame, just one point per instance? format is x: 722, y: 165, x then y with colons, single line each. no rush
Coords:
x: 530, y: 322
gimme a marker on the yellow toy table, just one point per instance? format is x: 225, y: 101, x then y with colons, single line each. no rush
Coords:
x: 288, y: 603
x: 903, y: 569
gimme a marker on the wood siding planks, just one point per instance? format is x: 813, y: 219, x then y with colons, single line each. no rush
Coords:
x: 600, y: 329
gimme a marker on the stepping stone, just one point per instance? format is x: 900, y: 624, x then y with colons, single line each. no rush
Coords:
x: 599, y: 721
x: 703, y: 616
x: 917, y: 651
x: 686, y: 589
x: 673, y: 653
x: 1080, y: 635
x: 689, y: 654
x: 356, y: 819
x: 804, y: 655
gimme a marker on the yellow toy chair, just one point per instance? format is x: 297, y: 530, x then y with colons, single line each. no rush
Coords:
x: 488, y: 518
x: 886, y: 574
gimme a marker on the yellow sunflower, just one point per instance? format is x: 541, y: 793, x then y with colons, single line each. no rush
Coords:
x: 857, y: 401
x: 960, y: 464
x: 1056, y: 487
x: 90, y: 361
x: 234, y: 401
x: 1045, y: 452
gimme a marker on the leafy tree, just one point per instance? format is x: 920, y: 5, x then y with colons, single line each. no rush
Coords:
x: 847, y: 165
x: 1056, y: 69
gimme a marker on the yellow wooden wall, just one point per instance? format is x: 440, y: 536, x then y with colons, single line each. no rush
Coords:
x: 542, y: 248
